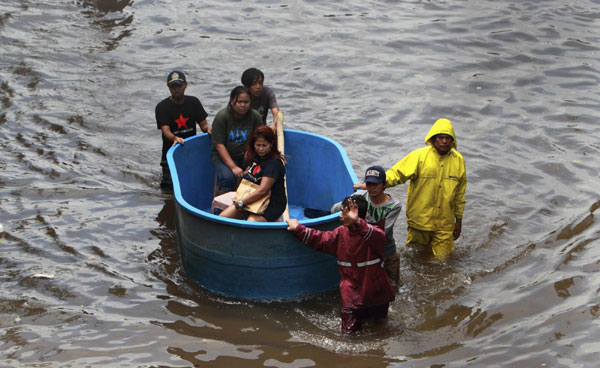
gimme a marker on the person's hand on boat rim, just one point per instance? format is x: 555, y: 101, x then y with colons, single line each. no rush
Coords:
x: 358, y: 186
x: 292, y: 224
x: 178, y: 140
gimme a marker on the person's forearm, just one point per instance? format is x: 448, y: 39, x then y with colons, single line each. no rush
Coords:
x: 166, y: 131
x: 204, y: 126
x: 225, y: 156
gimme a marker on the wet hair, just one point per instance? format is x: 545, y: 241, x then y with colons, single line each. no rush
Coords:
x: 361, y: 203
x: 250, y: 76
x: 236, y: 92
x: 268, y: 135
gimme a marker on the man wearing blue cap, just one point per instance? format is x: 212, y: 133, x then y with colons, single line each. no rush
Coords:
x: 176, y: 117
x: 382, y: 209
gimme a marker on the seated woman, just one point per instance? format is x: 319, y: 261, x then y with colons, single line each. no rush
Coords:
x: 266, y: 168
x: 230, y: 131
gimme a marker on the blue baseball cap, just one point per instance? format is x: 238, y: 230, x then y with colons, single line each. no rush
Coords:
x: 375, y: 175
x: 176, y: 78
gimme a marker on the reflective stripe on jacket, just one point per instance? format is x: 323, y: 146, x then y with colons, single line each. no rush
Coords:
x: 360, y: 264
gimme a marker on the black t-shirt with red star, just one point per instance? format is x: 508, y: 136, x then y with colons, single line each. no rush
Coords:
x: 181, y: 118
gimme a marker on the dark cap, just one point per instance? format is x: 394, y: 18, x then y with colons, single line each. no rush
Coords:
x: 175, y: 78
x: 375, y: 175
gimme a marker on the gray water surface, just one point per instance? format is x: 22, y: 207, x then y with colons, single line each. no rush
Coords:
x: 89, y: 265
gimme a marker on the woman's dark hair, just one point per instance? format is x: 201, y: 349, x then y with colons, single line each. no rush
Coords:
x: 361, y: 203
x: 268, y: 135
x: 236, y: 92
x: 250, y: 76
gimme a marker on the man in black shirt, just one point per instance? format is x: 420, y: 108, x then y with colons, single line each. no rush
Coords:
x: 176, y: 117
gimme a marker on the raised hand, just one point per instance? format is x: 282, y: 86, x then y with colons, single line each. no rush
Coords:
x: 351, y: 212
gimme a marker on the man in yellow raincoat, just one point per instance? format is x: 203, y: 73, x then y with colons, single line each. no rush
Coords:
x: 436, y: 194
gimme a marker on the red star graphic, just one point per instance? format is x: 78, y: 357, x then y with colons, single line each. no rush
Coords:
x: 181, y: 122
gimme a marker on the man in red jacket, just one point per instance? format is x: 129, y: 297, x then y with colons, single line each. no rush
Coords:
x: 365, y: 288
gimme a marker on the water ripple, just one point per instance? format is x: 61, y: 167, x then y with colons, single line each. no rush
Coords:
x: 90, y: 265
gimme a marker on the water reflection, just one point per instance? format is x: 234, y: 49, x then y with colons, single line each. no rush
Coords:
x: 103, y: 7
x: 101, y: 13
x: 165, y: 259
x: 80, y: 201
x: 23, y: 70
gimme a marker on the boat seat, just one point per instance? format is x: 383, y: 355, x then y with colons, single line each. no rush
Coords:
x: 223, y: 201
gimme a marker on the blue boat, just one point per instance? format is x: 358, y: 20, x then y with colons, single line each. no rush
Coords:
x: 259, y: 261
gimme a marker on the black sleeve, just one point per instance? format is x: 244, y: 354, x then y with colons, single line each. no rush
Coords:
x: 273, y: 169
x: 161, y: 115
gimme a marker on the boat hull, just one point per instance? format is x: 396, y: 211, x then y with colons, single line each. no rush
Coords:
x: 260, y: 261
x: 249, y: 263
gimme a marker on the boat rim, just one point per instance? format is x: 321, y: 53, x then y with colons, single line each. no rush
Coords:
x: 250, y: 224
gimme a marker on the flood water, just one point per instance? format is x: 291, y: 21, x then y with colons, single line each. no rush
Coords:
x: 89, y: 265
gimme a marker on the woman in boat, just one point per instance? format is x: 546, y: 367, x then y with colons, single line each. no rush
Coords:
x: 265, y: 168
x: 230, y: 131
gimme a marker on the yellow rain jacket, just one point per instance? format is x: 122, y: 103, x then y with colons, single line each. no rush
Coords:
x: 436, y: 193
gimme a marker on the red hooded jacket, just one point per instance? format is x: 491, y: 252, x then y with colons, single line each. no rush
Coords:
x: 359, y: 251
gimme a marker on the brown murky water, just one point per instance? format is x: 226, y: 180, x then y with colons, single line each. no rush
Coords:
x: 89, y: 266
